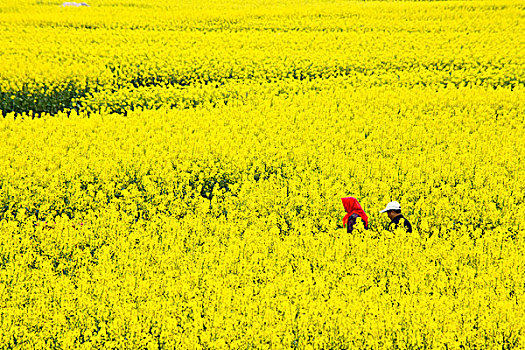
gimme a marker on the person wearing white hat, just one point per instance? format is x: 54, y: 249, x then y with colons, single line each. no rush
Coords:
x: 393, y: 210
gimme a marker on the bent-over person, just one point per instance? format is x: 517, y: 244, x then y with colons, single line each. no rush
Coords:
x: 353, y: 212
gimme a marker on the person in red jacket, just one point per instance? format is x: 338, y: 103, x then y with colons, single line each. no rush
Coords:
x: 353, y: 211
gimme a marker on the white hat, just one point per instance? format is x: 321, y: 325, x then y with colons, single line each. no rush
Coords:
x: 392, y: 206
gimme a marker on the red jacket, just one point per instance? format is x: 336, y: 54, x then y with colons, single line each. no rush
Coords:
x: 352, y: 206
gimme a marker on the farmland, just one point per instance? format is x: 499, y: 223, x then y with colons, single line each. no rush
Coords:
x: 171, y: 174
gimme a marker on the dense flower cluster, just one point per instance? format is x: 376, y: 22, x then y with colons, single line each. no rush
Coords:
x: 171, y: 175
x: 56, y: 58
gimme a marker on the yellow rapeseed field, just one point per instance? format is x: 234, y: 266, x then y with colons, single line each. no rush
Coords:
x: 171, y: 174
